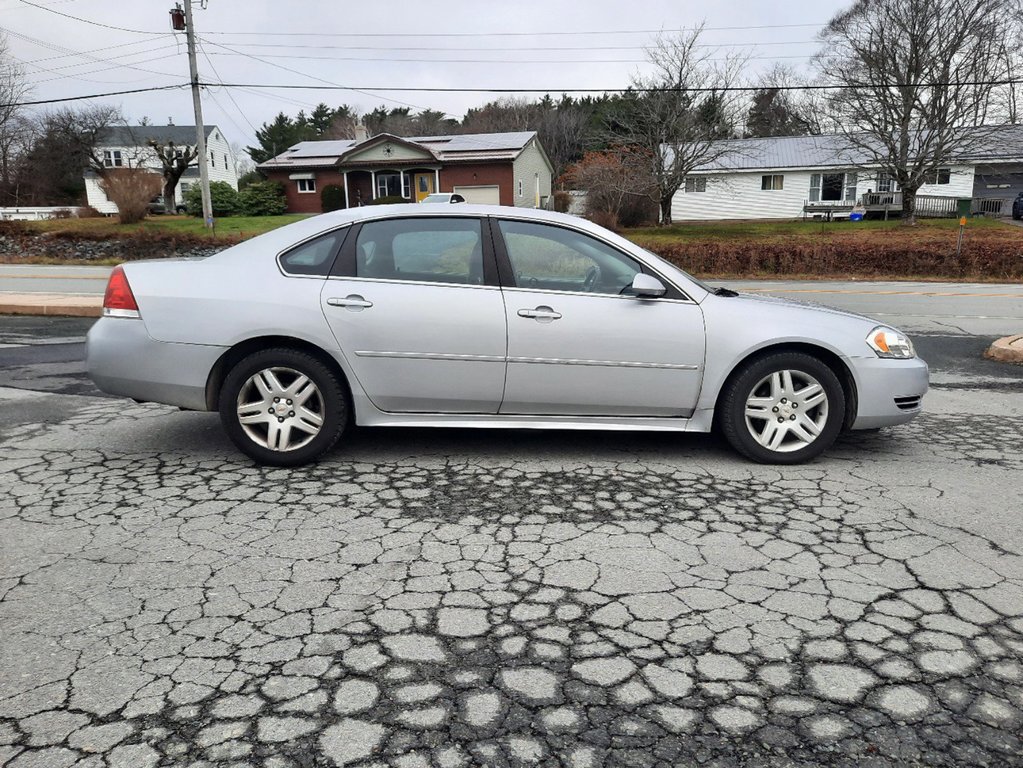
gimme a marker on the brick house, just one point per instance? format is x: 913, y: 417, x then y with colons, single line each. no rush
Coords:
x: 494, y: 168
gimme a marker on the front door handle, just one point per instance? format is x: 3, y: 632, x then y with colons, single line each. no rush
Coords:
x: 541, y: 314
x: 354, y: 302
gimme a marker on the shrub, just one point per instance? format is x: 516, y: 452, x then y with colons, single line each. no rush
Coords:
x: 263, y: 198
x: 332, y: 198
x: 88, y: 212
x: 251, y: 177
x: 390, y: 199
x: 562, y: 201
x: 222, y: 196
x: 131, y: 189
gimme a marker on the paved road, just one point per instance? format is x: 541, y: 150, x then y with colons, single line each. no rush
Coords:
x: 509, y: 598
x: 32, y: 278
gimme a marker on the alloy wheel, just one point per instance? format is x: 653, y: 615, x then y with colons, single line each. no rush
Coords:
x: 280, y: 409
x: 786, y: 411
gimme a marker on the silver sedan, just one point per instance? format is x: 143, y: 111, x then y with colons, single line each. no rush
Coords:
x: 479, y: 316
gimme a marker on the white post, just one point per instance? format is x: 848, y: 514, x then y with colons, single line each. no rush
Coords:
x: 401, y: 178
x: 373, y: 177
x: 200, y: 131
x: 436, y: 179
x: 345, y: 175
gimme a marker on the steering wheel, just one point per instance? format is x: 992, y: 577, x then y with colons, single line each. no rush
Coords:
x: 591, y: 279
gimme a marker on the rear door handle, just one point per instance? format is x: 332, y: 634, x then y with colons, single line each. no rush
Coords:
x: 353, y: 302
x: 541, y: 314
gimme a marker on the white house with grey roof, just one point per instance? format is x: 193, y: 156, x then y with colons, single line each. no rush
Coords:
x: 790, y: 177
x: 127, y: 146
x: 488, y: 168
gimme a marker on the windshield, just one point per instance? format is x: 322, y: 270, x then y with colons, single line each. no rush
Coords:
x: 436, y: 198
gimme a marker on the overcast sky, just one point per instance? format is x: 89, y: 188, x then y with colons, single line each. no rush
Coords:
x: 387, y: 43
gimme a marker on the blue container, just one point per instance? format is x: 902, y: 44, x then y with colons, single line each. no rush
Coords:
x: 855, y: 217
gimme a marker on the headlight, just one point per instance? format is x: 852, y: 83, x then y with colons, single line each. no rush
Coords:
x: 887, y: 342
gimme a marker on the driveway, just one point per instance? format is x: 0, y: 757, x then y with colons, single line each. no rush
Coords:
x: 512, y: 598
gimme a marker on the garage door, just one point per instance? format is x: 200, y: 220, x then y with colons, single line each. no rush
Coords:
x: 489, y: 195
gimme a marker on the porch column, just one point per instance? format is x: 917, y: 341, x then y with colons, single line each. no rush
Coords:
x: 401, y: 178
x: 373, y: 181
x: 345, y: 176
x: 436, y: 179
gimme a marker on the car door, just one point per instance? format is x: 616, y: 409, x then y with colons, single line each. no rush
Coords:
x: 418, y: 312
x: 578, y: 343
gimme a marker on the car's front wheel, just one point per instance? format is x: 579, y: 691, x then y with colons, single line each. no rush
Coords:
x: 784, y: 408
x: 283, y: 407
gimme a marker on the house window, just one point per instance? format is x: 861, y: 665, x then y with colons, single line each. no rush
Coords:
x: 389, y: 185
x: 697, y: 184
x: 832, y: 187
x: 520, y: 187
x: 938, y: 176
x: 774, y: 181
x: 112, y: 158
x: 185, y: 186
x: 307, y: 185
x: 213, y: 160
x: 887, y: 183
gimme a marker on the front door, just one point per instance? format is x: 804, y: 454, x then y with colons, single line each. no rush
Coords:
x: 419, y: 315
x: 578, y: 344
x: 424, y: 185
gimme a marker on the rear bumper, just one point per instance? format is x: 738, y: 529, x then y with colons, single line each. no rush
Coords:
x: 122, y: 359
x: 888, y: 391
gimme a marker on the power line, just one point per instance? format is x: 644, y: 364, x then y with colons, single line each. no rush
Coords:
x: 227, y: 91
x: 363, y: 89
x: 89, y: 21
x: 40, y: 102
x: 544, y: 33
x: 509, y: 49
x: 492, y: 61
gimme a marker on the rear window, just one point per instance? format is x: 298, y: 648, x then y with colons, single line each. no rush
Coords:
x: 313, y: 257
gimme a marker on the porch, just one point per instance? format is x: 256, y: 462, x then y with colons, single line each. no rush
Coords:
x: 413, y: 183
x: 890, y: 203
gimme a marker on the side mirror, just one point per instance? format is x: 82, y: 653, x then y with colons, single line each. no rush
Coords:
x: 647, y: 286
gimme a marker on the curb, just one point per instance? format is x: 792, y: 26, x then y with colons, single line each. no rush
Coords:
x: 51, y: 305
x: 1006, y: 350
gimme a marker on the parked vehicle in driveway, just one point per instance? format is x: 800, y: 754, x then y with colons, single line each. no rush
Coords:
x: 443, y: 197
x: 484, y: 316
x: 1017, y: 207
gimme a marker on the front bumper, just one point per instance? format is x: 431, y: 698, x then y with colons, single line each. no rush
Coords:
x: 122, y: 359
x: 888, y: 392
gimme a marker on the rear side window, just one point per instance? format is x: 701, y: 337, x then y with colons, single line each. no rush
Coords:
x: 313, y: 257
x: 432, y: 250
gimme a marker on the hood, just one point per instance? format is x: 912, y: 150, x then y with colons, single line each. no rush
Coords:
x: 757, y: 298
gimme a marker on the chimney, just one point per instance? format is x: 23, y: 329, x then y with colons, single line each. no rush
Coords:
x: 361, y: 134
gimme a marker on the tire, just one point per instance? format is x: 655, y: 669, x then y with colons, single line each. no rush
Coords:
x: 302, y: 427
x: 777, y: 386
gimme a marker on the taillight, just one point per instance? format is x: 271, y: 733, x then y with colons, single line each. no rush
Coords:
x: 119, y: 301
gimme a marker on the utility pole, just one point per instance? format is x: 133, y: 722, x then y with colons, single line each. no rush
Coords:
x: 200, y: 130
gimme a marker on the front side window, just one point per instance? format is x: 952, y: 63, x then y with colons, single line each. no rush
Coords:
x: 313, y: 257
x: 697, y: 184
x: 546, y: 257
x: 307, y: 185
x: 421, y: 250
x: 775, y: 181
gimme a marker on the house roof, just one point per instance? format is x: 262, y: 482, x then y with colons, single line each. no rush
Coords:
x: 140, y: 135
x: 467, y: 146
x: 1001, y: 143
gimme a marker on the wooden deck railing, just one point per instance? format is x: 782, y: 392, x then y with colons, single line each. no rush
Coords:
x: 927, y: 206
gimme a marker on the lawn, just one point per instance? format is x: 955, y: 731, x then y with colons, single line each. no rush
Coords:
x: 233, y: 227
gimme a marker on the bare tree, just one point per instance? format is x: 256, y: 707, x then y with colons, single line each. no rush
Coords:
x: 782, y: 105
x: 14, y: 127
x: 680, y: 114
x: 914, y: 75
x: 174, y: 161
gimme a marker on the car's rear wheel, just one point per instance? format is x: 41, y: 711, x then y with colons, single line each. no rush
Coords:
x: 784, y: 408
x: 283, y: 407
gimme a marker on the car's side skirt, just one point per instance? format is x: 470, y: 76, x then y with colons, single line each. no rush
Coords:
x: 512, y: 421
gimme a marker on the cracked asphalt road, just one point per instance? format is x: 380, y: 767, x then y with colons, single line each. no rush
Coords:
x: 511, y: 598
